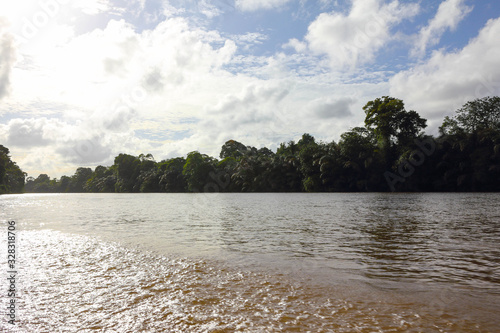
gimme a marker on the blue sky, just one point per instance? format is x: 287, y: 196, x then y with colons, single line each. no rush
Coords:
x: 84, y: 80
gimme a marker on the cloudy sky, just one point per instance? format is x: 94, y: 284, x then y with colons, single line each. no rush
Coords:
x: 84, y: 80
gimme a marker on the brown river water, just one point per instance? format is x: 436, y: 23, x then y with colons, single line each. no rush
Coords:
x: 377, y: 262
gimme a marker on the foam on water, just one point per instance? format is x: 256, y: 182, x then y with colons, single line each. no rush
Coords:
x: 255, y: 262
x: 80, y: 283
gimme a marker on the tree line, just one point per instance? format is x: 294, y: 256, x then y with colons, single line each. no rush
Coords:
x: 390, y: 153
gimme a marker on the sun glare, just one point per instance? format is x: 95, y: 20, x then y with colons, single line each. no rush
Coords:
x: 17, y: 11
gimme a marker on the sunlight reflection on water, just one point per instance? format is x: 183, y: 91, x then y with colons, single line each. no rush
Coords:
x: 326, y: 262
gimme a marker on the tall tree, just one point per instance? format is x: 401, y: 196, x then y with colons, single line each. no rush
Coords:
x: 79, y: 179
x: 199, y: 170
x: 479, y: 114
x: 309, y: 155
x: 171, y: 177
x: 102, y: 180
x: 148, y: 179
x: 12, y: 178
x: 392, y: 125
x: 390, y: 121
x: 234, y: 149
x: 127, y: 169
x: 358, y: 156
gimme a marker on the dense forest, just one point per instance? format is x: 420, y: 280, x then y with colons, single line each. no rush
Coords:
x: 11, y: 176
x: 390, y: 153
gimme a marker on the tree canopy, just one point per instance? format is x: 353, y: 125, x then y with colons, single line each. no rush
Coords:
x: 477, y: 115
x: 391, y: 123
x: 390, y: 153
x: 11, y: 176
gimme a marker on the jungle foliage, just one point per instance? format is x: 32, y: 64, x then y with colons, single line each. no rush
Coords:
x: 390, y: 153
x: 11, y: 176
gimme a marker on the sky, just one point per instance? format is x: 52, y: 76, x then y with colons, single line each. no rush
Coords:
x: 84, y: 80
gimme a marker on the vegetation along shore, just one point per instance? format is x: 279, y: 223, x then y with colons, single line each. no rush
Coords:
x: 390, y: 153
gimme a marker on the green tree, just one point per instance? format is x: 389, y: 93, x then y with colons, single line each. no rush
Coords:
x: 102, y: 181
x: 360, y: 159
x: 392, y: 124
x: 309, y: 155
x: 148, y: 179
x: 472, y: 145
x: 474, y: 116
x: 127, y: 169
x: 331, y: 168
x: 225, y: 171
x: 171, y: 177
x: 12, y: 178
x: 79, y: 179
x: 64, y: 184
x: 284, y: 174
x: 288, y: 149
x: 234, y: 149
x: 198, y: 170
x: 4, y: 161
x: 42, y: 184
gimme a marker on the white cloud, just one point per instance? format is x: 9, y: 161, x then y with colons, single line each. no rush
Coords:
x: 176, y: 87
x: 450, y: 13
x: 253, y: 5
x: 354, y: 39
x: 249, y: 39
x: 40, y: 12
x: 43, y: 145
x: 268, y: 112
x: 121, y: 64
x: 63, y: 136
x: 296, y: 44
x: 91, y: 7
x: 448, y: 80
x: 208, y: 9
x: 7, y: 58
x: 26, y: 133
x: 328, y: 108
x: 129, y: 82
x: 254, y: 116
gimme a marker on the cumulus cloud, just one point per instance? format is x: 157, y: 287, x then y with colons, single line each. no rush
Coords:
x: 131, y: 82
x: 257, y: 115
x: 354, y: 39
x: 253, y: 5
x: 447, y: 80
x: 333, y: 108
x: 170, y: 59
x: 266, y: 113
x: 257, y: 105
x: 195, y: 88
x: 296, y: 44
x: 153, y: 80
x: 89, y: 151
x: 7, y: 58
x: 450, y: 13
x: 28, y: 133
x: 73, y: 142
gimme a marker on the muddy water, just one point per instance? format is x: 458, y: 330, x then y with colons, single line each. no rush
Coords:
x: 255, y: 262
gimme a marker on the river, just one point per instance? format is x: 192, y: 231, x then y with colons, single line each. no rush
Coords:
x: 220, y: 262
